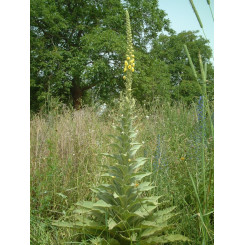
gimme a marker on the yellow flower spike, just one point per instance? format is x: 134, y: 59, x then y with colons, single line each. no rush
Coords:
x: 124, y: 77
x: 129, y: 67
x: 132, y: 69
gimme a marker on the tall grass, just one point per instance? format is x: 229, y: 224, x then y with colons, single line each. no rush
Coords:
x: 65, y: 156
x: 202, y: 181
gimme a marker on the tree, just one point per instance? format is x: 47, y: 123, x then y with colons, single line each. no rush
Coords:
x: 170, y: 50
x: 77, y: 45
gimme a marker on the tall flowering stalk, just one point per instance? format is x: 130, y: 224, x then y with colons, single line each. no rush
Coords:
x: 123, y: 215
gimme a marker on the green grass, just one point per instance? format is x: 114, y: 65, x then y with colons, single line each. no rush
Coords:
x: 66, y: 163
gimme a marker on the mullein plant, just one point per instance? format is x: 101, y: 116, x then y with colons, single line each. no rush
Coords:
x: 124, y: 214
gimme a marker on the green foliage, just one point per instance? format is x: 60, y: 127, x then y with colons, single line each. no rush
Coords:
x: 77, y: 46
x: 170, y: 50
x: 188, y: 91
x: 152, y: 79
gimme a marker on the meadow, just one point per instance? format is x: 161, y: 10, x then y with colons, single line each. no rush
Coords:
x: 88, y: 166
x: 66, y: 161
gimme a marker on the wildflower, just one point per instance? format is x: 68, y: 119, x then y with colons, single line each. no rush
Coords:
x: 124, y: 77
x: 136, y: 185
x: 132, y: 56
x: 132, y: 69
x: 132, y: 61
x: 133, y: 65
x: 129, y: 160
x: 129, y: 67
x: 128, y: 58
x: 182, y: 158
x: 113, y: 177
x: 125, y: 69
x: 126, y: 63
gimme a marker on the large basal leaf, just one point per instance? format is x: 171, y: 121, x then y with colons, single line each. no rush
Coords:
x: 176, y: 237
x: 102, y: 204
x: 163, y: 239
x: 154, y: 230
x: 85, y: 204
x: 86, y: 223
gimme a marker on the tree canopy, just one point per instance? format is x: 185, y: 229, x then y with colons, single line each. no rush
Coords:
x: 78, y: 47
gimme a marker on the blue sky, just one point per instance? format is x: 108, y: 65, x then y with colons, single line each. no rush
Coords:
x: 183, y: 18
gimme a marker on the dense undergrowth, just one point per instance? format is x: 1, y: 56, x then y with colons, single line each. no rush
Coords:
x: 66, y: 161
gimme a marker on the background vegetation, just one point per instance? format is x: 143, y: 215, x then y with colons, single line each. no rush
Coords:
x: 77, y: 50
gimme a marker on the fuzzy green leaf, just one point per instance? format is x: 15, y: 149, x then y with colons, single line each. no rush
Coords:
x: 134, y: 149
x: 145, y: 210
x: 102, y: 204
x: 154, y: 230
x: 176, y: 237
x: 138, y: 162
x: 163, y: 239
x: 85, y: 204
x: 111, y: 223
x: 138, y: 177
x: 145, y: 186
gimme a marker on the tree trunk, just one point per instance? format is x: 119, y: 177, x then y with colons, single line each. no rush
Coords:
x: 77, y: 94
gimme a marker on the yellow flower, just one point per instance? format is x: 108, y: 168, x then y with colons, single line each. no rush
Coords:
x: 132, y: 69
x: 128, y: 58
x: 132, y: 56
x: 125, y: 69
x: 124, y: 77
x: 129, y: 160
x: 132, y: 61
x: 133, y: 65
x: 182, y: 158
x: 113, y: 177
x: 129, y: 67
x: 126, y: 63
